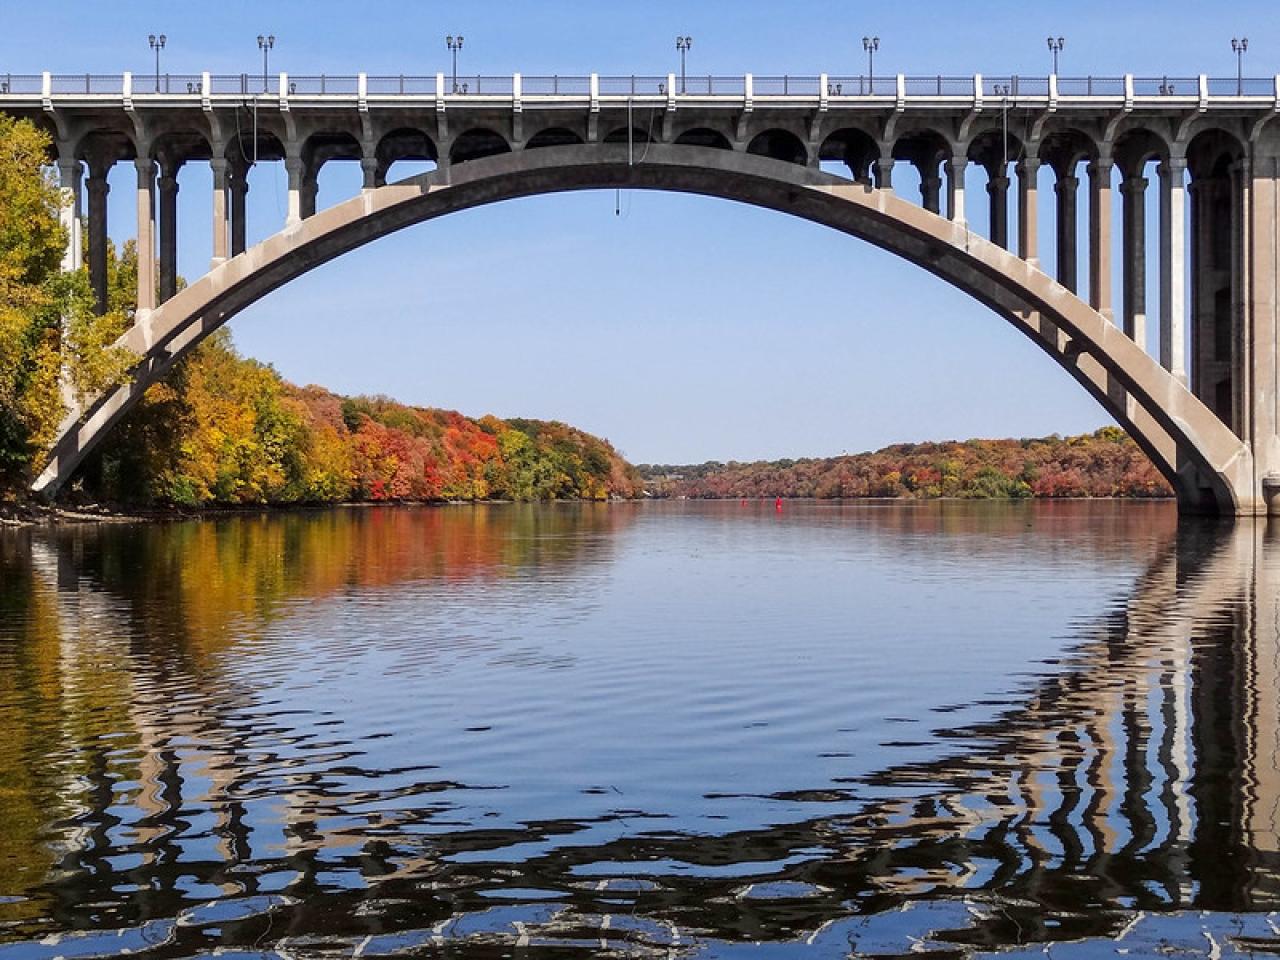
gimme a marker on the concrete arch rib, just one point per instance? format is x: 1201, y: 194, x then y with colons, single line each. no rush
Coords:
x: 1208, y: 465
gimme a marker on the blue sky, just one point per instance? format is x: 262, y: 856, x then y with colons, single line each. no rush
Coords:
x: 686, y: 328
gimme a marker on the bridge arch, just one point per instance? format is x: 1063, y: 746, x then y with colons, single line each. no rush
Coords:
x: 779, y: 144
x: 553, y: 137
x: 1207, y: 464
x: 855, y: 148
x: 704, y: 137
x: 476, y: 143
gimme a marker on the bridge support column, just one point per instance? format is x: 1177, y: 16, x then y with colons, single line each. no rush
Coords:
x: 998, y: 196
x: 1173, y: 267
x: 310, y: 188
x: 1243, y: 400
x: 146, y: 234
x: 218, y: 166
x: 1100, y: 237
x: 168, y: 185
x: 69, y: 180
x: 884, y: 173
x: 1066, y: 228
x: 931, y: 190
x: 1028, y: 170
x: 1133, y: 193
x: 956, y: 170
x: 97, y: 188
x: 1262, y: 315
x: 239, y: 185
x: 369, y: 168
x: 294, y: 167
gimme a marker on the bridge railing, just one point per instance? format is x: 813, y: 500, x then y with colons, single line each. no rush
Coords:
x: 633, y: 86
x: 166, y: 83
x: 872, y: 86
x: 479, y: 85
x: 1015, y: 86
x: 938, y: 86
x: 1244, y: 87
x: 785, y: 86
x: 348, y: 85
x: 710, y: 86
x: 1166, y: 86
x: 244, y: 84
x: 402, y: 85
x: 1091, y: 86
x: 323, y: 85
x: 20, y: 83
x: 87, y: 83
x: 555, y: 86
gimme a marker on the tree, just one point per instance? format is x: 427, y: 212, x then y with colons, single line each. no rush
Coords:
x: 51, y: 342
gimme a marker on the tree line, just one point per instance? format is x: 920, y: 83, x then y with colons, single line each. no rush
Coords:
x: 1106, y: 463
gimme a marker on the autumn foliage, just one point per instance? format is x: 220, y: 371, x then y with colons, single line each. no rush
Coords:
x: 1106, y: 463
x: 224, y: 429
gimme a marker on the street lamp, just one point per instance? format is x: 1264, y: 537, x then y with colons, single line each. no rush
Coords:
x: 1239, y: 47
x: 157, y: 44
x: 454, y: 44
x: 1056, y: 47
x: 871, y: 45
x: 265, y: 44
x: 683, y: 44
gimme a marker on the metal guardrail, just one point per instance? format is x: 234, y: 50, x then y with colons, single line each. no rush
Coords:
x: 1166, y: 86
x: 876, y: 86
x: 785, y: 86
x: 632, y: 86
x: 1242, y: 87
x: 1091, y: 86
x: 20, y: 83
x: 243, y: 84
x: 403, y: 85
x: 939, y: 86
x: 555, y: 86
x: 348, y: 85
x: 324, y: 85
x: 1015, y: 86
x: 86, y: 83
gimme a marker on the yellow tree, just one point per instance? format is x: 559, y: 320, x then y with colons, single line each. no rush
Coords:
x: 48, y: 331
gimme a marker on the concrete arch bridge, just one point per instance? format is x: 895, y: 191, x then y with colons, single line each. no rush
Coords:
x: 1211, y: 425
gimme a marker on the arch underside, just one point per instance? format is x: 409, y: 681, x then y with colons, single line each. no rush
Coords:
x: 1206, y: 463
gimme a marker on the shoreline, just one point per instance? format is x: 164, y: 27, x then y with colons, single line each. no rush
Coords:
x: 18, y: 515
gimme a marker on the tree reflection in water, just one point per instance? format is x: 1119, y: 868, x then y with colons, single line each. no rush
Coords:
x: 147, y: 791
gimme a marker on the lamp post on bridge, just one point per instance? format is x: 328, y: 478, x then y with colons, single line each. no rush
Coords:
x: 454, y: 44
x: 157, y: 44
x: 1055, y: 47
x: 1238, y: 47
x: 683, y: 44
x: 871, y: 45
x: 265, y: 44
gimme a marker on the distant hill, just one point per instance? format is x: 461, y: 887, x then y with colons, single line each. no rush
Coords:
x: 1106, y: 463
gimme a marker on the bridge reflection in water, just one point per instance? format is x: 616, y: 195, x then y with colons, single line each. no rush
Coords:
x: 1140, y: 772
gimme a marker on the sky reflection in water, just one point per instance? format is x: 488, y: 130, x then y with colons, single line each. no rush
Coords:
x: 656, y: 728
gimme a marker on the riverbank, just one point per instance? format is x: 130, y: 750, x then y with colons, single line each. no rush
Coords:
x: 34, y: 514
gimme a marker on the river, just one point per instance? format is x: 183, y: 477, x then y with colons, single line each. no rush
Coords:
x: 657, y: 729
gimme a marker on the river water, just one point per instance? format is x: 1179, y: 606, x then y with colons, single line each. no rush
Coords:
x: 663, y: 729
